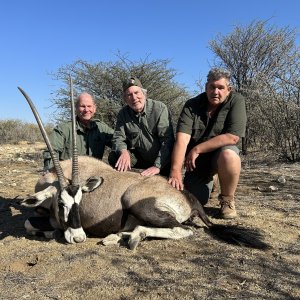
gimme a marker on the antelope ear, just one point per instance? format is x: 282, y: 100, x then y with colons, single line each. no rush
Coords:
x: 39, y: 197
x: 91, y: 184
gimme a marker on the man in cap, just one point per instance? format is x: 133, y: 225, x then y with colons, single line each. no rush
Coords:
x: 143, y: 136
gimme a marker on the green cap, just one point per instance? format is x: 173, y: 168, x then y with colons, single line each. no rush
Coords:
x: 131, y: 81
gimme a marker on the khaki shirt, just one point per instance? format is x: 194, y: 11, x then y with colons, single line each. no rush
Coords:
x: 90, y: 141
x: 230, y: 117
x: 150, y: 133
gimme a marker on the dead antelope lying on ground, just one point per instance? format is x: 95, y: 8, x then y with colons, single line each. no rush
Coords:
x: 117, y: 205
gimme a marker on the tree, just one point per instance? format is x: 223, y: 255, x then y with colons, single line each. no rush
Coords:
x: 265, y: 66
x: 104, y: 81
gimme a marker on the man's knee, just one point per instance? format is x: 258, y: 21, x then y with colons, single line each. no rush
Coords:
x: 226, y: 158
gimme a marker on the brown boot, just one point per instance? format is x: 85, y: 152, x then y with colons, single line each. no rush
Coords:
x: 227, y: 210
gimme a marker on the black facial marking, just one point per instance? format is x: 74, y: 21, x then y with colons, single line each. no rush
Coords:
x: 72, y: 190
x: 74, y: 217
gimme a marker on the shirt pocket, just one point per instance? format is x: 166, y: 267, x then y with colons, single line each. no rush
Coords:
x: 133, y: 137
x: 219, y: 125
x: 198, y: 130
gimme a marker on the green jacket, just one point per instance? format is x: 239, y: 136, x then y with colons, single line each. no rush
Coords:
x: 90, y: 141
x: 149, y: 134
x: 229, y: 118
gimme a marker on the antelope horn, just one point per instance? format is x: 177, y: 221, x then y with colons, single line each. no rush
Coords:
x: 75, y: 180
x: 57, y: 166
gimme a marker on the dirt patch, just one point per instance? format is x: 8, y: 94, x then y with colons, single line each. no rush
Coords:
x: 198, y: 267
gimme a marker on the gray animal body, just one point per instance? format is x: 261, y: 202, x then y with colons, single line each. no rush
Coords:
x: 129, y: 206
x: 125, y: 202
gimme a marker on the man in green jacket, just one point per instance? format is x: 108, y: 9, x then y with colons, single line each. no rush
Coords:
x: 92, y: 134
x: 144, y: 135
x: 209, y: 131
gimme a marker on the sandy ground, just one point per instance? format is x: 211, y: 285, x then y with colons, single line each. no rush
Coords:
x: 198, y: 267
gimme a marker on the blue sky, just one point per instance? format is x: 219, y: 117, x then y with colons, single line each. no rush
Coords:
x: 38, y: 37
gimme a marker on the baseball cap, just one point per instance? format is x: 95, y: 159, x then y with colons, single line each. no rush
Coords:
x: 131, y: 81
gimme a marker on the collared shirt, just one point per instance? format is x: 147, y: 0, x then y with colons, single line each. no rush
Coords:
x: 91, y: 141
x: 150, y: 133
x: 230, y: 117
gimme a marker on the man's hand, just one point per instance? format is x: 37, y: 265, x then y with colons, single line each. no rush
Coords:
x: 123, y: 164
x: 175, y: 180
x: 190, y: 160
x: 151, y: 171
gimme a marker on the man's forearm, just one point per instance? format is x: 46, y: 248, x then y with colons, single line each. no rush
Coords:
x: 216, y: 143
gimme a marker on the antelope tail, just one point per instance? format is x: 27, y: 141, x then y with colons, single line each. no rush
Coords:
x: 246, y: 237
x: 231, y: 234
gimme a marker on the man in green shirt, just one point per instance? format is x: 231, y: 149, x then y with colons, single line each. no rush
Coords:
x: 208, y: 134
x: 92, y: 134
x: 143, y: 136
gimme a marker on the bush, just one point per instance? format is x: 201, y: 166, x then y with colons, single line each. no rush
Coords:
x: 14, y: 131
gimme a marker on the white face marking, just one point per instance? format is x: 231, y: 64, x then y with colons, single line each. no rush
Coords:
x: 68, y: 201
x: 72, y: 235
x: 78, y: 196
x: 75, y: 235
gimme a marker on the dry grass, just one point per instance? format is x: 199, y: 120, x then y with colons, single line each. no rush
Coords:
x: 198, y: 267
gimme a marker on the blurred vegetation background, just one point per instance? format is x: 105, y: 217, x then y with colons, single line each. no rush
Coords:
x: 14, y: 131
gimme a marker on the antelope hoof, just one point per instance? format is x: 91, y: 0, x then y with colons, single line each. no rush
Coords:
x: 112, y: 239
